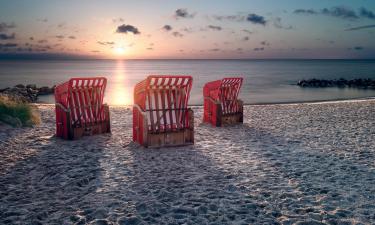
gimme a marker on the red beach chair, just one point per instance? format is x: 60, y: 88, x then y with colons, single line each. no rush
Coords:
x: 161, y: 116
x: 80, y: 109
x: 221, y: 103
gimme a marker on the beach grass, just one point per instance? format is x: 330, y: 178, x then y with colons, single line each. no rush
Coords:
x: 17, y: 112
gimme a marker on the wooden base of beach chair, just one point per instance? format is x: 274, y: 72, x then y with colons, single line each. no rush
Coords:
x: 98, y: 128
x: 231, y: 119
x: 89, y: 129
x: 177, y: 138
x: 172, y: 138
x: 218, y: 119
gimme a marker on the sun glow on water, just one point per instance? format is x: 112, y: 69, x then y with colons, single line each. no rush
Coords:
x: 119, y: 93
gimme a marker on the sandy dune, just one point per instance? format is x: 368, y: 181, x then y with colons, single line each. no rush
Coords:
x: 287, y: 164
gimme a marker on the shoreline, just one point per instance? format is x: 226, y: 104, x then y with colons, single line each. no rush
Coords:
x: 260, y: 103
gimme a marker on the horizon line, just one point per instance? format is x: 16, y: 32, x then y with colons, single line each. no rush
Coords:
x: 87, y: 57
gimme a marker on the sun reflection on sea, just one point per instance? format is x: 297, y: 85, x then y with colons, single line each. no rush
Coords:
x: 119, y: 92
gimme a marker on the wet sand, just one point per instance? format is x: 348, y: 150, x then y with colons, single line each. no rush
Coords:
x: 287, y: 164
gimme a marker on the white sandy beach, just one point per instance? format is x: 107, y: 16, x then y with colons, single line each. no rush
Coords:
x: 287, y: 164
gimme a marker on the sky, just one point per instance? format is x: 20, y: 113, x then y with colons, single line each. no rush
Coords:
x: 191, y: 29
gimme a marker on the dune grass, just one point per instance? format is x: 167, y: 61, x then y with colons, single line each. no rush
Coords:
x: 16, y: 112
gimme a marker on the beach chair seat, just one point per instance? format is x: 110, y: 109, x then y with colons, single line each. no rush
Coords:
x: 221, y: 103
x: 79, y: 108
x: 161, y: 116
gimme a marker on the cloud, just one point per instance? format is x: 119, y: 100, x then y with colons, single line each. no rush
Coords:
x: 43, y: 20
x: 256, y: 19
x: 167, y: 27
x: 214, y: 49
x: 187, y: 29
x: 106, y: 42
x: 61, y: 25
x: 278, y: 24
x: 337, y: 11
x: 127, y: 28
x: 177, y: 34
x: 366, y: 13
x: 150, y: 49
x: 265, y: 43
x: 7, y: 37
x: 72, y: 37
x: 42, y: 41
x: 183, y: 13
x: 251, y: 17
x: 6, y: 26
x: 247, y: 31
x: 361, y: 27
x: 41, y: 48
x: 118, y: 20
x: 212, y: 27
x: 340, y: 11
x: 24, y: 49
x: 8, y: 45
x: 305, y: 11
x: 259, y: 49
x: 42, y: 55
x: 60, y: 37
x: 237, y: 18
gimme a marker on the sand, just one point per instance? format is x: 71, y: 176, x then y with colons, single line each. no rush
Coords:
x: 287, y: 164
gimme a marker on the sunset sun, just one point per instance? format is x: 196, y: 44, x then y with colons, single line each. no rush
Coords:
x: 119, y: 51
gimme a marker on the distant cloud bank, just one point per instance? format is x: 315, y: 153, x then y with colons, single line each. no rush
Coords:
x: 361, y: 27
x: 339, y: 12
x: 251, y: 17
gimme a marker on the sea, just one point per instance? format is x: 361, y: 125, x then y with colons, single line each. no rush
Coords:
x: 265, y: 81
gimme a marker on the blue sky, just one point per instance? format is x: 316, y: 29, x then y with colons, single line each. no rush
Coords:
x: 189, y: 29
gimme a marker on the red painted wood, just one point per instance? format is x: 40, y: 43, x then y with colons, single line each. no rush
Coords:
x: 224, y: 92
x: 83, y: 97
x: 164, y: 99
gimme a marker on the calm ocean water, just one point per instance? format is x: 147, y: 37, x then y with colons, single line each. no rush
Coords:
x: 265, y: 81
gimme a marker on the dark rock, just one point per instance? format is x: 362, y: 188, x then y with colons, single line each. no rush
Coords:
x: 45, y: 90
x: 20, y: 86
x: 341, y: 83
x: 29, y: 93
x: 4, y: 90
x: 32, y: 86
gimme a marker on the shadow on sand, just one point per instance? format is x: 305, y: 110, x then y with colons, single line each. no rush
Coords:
x: 49, y: 186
